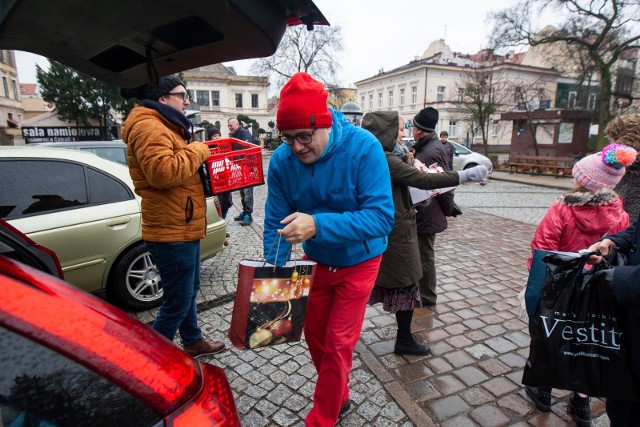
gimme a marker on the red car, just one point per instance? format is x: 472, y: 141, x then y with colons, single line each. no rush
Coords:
x: 70, y: 359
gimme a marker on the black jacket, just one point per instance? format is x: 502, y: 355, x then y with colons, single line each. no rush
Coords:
x: 626, y: 287
x: 432, y: 217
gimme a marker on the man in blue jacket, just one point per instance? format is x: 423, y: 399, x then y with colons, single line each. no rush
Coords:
x: 329, y: 189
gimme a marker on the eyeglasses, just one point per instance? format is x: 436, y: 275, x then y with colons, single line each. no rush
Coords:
x: 302, y: 138
x: 184, y: 95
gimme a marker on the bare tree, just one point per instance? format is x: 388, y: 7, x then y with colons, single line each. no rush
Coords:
x: 313, y: 52
x: 477, y: 96
x: 603, y: 29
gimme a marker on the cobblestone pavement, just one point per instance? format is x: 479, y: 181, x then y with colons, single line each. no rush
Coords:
x: 478, y: 344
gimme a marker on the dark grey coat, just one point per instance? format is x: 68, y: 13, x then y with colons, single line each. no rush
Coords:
x: 400, y: 265
x: 629, y: 190
x: 432, y: 218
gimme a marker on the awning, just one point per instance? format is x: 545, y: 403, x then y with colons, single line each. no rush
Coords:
x: 13, y: 123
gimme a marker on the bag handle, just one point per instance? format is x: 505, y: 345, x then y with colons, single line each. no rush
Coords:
x: 291, y: 248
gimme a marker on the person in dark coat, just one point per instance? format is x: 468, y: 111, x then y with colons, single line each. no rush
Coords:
x: 246, y: 194
x: 431, y: 217
x: 225, y: 199
x: 625, y: 130
x: 623, y: 281
x: 397, y: 282
x: 444, y: 138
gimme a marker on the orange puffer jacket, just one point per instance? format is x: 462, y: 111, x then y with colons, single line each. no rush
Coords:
x: 164, y: 169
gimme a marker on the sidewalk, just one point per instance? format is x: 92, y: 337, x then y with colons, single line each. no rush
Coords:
x: 538, y: 180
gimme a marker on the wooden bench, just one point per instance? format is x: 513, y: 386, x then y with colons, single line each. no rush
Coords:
x: 557, y: 165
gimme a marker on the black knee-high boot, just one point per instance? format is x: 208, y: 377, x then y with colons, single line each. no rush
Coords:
x: 406, y: 342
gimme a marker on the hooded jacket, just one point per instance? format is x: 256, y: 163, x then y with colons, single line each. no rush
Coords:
x: 401, y: 265
x: 578, y: 220
x: 347, y: 191
x: 432, y: 217
x: 627, y: 188
x: 164, y: 169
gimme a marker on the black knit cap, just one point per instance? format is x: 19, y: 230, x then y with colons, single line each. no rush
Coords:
x: 212, y: 131
x: 426, y: 119
x: 152, y: 91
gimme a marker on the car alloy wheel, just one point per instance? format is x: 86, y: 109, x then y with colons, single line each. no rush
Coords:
x: 136, y: 283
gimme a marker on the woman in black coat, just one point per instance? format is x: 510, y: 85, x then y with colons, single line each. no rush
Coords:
x: 397, y: 283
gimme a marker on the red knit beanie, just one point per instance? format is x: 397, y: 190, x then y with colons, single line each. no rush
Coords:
x: 303, y: 104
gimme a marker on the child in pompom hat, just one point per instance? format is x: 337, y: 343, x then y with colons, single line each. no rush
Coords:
x: 586, y: 213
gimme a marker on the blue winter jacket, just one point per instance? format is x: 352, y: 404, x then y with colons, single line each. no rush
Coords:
x: 348, y: 192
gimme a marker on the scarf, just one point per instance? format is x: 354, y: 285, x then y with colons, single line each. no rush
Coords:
x: 172, y: 115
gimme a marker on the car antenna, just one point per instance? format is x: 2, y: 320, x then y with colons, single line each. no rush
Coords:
x: 151, y: 67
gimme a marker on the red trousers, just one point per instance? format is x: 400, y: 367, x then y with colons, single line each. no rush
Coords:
x: 335, y: 312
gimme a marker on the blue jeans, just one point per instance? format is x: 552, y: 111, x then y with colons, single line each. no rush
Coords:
x: 179, y: 267
x: 246, y: 196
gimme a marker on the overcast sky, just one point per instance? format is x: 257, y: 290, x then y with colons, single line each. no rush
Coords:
x: 378, y: 35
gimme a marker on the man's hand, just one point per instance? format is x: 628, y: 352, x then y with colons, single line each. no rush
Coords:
x: 300, y: 227
x: 602, y: 246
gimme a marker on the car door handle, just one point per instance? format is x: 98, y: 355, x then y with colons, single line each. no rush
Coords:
x: 122, y: 220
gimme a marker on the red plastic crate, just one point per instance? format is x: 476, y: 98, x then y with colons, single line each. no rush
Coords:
x: 234, y: 164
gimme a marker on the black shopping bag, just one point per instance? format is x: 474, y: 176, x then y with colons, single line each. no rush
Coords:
x: 535, y: 283
x: 270, y: 303
x: 578, y: 342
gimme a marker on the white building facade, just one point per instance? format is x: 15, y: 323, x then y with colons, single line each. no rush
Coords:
x: 439, y: 81
x: 222, y: 94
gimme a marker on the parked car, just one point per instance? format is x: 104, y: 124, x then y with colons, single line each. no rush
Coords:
x: 115, y: 150
x: 84, y: 208
x: 69, y: 359
x: 16, y: 245
x: 463, y: 158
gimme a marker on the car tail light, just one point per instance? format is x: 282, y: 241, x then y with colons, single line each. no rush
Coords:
x: 218, y: 207
x: 213, y: 406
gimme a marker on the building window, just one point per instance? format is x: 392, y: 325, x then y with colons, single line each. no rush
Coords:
x: 572, y: 100
x: 453, y: 129
x: 380, y: 100
x: 518, y: 95
x: 371, y: 101
x: 592, y: 102
x: 401, y: 96
x: 492, y: 94
x: 390, y: 98
x: 254, y: 100
x: 190, y: 92
x: 495, y: 127
x: 362, y: 102
x: 440, y: 95
x: 215, y: 98
x: 202, y: 98
x: 15, y: 89
x: 5, y: 84
x: 460, y: 94
x: 238, y: 100
x: 414, y: 95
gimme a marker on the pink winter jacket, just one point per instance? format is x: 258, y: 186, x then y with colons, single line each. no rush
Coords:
x: 578, y: 220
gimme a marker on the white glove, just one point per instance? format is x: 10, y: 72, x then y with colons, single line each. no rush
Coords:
x: 475, y: 174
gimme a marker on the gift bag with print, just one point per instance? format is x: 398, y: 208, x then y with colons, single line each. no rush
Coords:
x: 578, y: 342
x: 270, y: 303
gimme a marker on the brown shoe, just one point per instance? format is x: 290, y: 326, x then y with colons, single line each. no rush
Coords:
x: 203, y: 347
